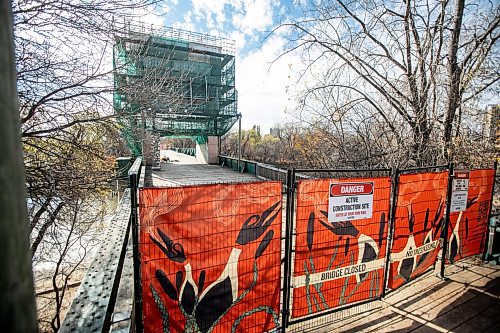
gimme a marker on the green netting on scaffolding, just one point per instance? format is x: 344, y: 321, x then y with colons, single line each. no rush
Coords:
x: 174, y: 82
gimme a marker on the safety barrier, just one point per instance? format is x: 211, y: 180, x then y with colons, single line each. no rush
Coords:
x: 211, y: 257
x: 218, y: 258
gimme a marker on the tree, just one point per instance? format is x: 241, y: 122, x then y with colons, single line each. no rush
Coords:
x: 64, y: 78
x: 17, y: 309
x: 413, y: 67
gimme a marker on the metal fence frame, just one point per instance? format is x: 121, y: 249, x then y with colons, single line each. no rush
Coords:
x: 92, y: 308
x: 289, y: 178
x: 292, y: 176
x: 394, y: 198
x: 136, y: 181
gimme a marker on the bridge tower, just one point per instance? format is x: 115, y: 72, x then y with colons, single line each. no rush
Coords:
x: 174, y: 83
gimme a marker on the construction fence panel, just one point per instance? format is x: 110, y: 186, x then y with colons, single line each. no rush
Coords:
x: 467, y: 230
x: 417, y: 224
x: 211, y: 257
x: 338, y: 263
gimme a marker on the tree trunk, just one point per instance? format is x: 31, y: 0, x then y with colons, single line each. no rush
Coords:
x: 17, y: 296
x: 454, y: 73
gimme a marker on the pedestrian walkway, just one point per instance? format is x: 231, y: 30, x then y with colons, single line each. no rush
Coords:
x: 182, y: 169
x: 469, y: 301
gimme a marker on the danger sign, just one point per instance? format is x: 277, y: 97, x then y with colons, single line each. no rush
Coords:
x: 350, y: 201
x: 459, y: 191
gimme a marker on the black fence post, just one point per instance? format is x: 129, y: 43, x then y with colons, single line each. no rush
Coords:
x: 390, y: 230
x: 290, y: 184
x: 134, y: 183
x: 485, y: 257
x: 446, y: 221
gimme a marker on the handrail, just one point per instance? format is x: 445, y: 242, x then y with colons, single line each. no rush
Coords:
x: 135, y: 182
x: 91, y: 309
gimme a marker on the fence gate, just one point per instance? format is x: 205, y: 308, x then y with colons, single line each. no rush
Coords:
x: 339, y: 231
x: 419, y: 207
x: 211, y: 257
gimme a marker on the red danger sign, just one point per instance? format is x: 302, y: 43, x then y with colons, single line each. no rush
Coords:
x: 350, y: 201
x: 461, y: 175
x: 347, y: 189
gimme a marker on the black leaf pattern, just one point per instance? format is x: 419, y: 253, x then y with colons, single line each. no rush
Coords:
x: 346, y: 248
x: 178, y: 280
x: 453, y: 248
x: 406, y: 268
x: 381, y: 229
x: 424, y: 256
x: 264, y: 243
x: 438, y: 228
x: 201, y: 281
x: 166, y: 285
x: 310, y: 231
x: 213, y: 304
x: 341, y: 228
x: 369, y: 254
x: 411, y: 219
x: 471, y: 201
x: 188, y: 298
x: 174, y: 251
x: 251, y: 231
x: 438, y: 212
x: 426, y: 220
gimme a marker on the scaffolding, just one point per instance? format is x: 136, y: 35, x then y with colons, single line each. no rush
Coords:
x: 172, y: 82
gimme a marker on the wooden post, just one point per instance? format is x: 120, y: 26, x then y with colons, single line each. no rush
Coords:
x: 17, y: 297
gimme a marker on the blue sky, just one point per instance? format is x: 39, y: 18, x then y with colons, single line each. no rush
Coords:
x: 262, y: 86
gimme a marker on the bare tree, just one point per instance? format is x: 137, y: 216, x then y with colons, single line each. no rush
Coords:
x: 414, y: 67
x: 63, y: 53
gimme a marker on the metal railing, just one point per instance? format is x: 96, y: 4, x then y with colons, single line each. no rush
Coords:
x: 95, y: 303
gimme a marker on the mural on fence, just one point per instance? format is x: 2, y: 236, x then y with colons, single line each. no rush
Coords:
x: 418, y: 222
x: 467, y: 230
x: 337, y: 263
x: 211, y: 257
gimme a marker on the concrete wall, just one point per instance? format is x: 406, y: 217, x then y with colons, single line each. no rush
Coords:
x: 202, y: 153
x: 208, y: 153
x: 213, y: 149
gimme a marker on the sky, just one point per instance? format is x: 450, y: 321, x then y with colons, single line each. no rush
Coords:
x: 261, y: 81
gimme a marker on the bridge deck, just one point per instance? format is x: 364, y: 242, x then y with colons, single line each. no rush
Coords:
x: 183, y: 169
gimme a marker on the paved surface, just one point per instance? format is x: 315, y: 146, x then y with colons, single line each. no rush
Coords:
x: 468, y: 302
x: 185, y: 170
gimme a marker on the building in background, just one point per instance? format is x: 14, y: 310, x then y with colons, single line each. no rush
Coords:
x: 491, y: 122
x: 171, y: 82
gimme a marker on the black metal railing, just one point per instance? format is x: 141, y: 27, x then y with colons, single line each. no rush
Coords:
x: 95, y: 303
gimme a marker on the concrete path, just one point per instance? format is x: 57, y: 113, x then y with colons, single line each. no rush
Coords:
x: 468, y: 302
x: 182, y: 169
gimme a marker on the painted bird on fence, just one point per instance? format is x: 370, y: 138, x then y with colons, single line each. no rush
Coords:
x: 203, y: 308
x: 454, y: 245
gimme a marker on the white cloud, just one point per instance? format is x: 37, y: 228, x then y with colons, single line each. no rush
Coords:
x: 153, y: 16
x: 187, y: 24
x: 256, y: 15
x: 212, y: 11
x: 248, y: 16
x: 262, y: 85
